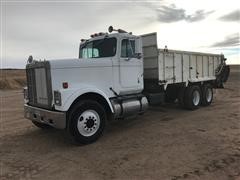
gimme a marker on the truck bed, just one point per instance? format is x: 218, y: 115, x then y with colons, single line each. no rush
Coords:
x: 173, y: 66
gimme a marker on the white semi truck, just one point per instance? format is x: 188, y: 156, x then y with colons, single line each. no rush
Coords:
x: 117, y: 75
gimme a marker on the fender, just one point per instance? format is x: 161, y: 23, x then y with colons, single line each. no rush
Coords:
x: 68, y: 96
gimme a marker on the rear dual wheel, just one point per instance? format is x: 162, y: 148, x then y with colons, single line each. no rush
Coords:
x: 207, y: 94
x: 193, y: 96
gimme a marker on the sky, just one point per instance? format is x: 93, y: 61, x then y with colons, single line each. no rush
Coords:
x: 53, y: 29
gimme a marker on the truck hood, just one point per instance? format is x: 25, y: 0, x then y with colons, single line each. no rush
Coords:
x: 75, y: 63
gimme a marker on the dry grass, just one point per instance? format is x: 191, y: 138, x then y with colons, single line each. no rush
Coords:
x: 12, y: 79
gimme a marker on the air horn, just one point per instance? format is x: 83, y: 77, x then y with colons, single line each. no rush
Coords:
x: 110, y: 29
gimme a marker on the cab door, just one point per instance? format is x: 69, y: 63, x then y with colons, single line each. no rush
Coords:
x: 131, y: 67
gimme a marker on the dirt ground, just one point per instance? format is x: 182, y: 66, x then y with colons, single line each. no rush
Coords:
x: 165, y: 143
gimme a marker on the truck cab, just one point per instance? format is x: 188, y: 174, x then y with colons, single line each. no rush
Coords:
x: 117, y: 53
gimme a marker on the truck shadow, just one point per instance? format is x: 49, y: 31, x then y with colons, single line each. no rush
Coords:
x: 155, y: 114
x: 35, y: 138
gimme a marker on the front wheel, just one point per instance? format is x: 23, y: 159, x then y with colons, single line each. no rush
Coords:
x: 86, y: 121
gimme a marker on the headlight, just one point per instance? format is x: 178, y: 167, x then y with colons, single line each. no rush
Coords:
x: 57, y: 98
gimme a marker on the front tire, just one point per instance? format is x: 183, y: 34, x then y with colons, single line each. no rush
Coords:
x: 193, y: 97
x: 207, y: 95
x: 86, y: 121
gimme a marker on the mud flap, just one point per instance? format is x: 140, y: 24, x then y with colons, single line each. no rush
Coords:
x: 222, y: 75
x: 226, y: 73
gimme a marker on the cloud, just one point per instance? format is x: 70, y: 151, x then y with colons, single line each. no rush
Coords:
x: 233, y: 16
x: 198, y: 16
x: 169, y: 14
x: 229, y: 41
x: 52, y: 30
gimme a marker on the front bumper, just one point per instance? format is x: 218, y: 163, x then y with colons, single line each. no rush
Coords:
x: 52, y: 118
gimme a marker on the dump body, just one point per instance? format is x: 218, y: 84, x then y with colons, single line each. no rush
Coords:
x: 173, y: 66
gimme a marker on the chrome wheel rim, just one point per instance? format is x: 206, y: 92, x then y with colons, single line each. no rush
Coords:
x: 88, y: 123
x: 209, y: 95
x: 196, y: 98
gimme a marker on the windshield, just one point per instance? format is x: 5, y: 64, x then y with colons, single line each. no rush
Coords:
x: 99, y: 48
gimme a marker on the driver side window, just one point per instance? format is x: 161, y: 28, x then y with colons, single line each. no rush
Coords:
x: 127, y: 48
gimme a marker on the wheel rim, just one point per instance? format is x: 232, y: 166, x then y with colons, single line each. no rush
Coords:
x: 209, y: 95
x: 88, y: 123
x: 196, y: 98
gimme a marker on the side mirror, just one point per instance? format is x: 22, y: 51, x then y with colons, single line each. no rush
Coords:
x: 138, y: 48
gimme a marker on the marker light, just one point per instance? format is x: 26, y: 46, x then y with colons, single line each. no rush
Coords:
x: 65, y: 85
x: 98, y: 34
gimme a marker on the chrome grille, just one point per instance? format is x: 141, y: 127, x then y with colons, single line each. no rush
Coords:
x: 39, y: 84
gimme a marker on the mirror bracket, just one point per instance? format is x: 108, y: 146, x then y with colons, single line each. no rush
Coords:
x: 138, y: 55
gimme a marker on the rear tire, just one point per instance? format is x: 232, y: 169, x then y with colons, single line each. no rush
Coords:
x: 86, y: 122
x: 192, y: 97
x: 207, y: 95
x: 171, y: 94
x: 169, y: 99
x: 42, y: 125
x: 181, y: 97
